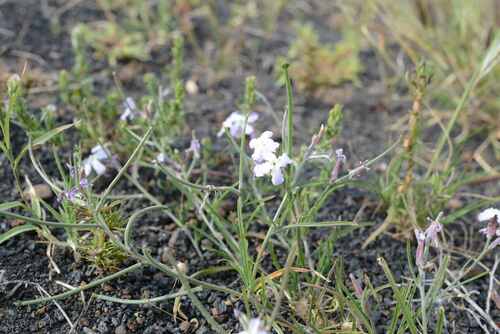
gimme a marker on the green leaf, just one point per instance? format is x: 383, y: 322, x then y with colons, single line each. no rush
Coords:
x: 40, y: 140
x: 440, y: 322
x: 15, y: 231
x: 10, y: 205
x: 450, y: 218
x: 402, y: 300
x: 334, y: 223
x: 50, y: 134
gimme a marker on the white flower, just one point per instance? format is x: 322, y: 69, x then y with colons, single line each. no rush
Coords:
x: 264, y: 147
x: 130, y: 109
x: 161, y: 158
x: 488, y: 214
x: 273, y: 167
x: 235, y: 123
x: 93, y: 161
x: 255, y: 326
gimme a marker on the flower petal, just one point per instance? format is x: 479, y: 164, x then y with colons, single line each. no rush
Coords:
x: 284, y: 160
x: 277, y: 176
x: 87, y: 167
x: 253, y: 117
x: 99, y: 168
x: 262, y: 169
x: 488, y: 214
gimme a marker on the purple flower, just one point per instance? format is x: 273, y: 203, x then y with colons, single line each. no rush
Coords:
x: 432, y: 231
x: 84, y: 183
x: 340, y: 160
x: 194, y: 147
x: 235, y: 123
x: 419, y: 256
x: 130, y: 109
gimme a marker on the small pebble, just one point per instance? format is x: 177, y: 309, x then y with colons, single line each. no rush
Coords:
x: 121, y: 330
x: 87, y: 330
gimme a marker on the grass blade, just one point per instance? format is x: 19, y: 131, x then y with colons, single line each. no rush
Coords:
x: 15, y: 231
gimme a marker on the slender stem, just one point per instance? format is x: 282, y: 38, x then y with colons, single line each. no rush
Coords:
x: 289, y: 112
x: 442, y: 140
x: 197, y: 303
x: 82, y: 288
x: 124, y: 168
x: 47, y: 223
x: 146, y: 300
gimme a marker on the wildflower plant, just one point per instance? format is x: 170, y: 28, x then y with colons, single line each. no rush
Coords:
x: 263, y: 221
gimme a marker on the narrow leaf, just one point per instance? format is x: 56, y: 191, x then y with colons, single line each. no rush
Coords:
x: 15, y: 231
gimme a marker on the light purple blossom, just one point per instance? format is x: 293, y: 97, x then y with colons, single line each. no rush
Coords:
x: 432, y: 232
x: 194, y: 147
x: 93, y: 161
x: 84, y: 183
x: 340, y: 159
x: 273, y: 167
x: 419, y: 256
x: 130, y: 109
x: 235, y: 123
x: 254, y: 326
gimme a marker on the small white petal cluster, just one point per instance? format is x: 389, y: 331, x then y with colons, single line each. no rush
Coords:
x: 255, y: 326
x: 130, y: 109
x: 488, y: 214
x: 160, y: 158
x: 266, y: 161
x: 94, y: 161
x: 235, y: 123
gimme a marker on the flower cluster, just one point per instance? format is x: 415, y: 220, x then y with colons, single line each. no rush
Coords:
x: 266, y: 161
x: 75, y: 193
x: 235, y: 123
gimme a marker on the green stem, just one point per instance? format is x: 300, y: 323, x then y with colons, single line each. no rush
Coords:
x: 124, y: 168
x: 442, y: 140
x: 146, y: 300
x: 289, y: 112
x: 82, y: 288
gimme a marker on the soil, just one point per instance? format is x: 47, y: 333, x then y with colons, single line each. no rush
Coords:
x: 26, y: 34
